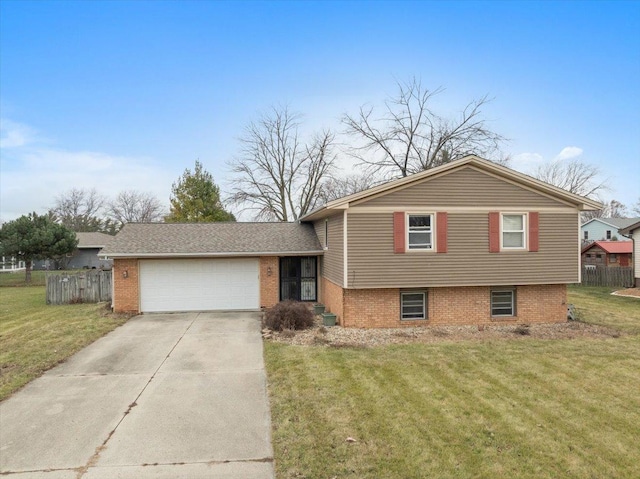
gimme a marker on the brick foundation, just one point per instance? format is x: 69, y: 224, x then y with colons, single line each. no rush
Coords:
x: 126, y: 292
x: 269, y: 283
x: 331, y: 295
x: 380, y: 308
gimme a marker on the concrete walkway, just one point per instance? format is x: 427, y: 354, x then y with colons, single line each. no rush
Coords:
x: 163, y: 396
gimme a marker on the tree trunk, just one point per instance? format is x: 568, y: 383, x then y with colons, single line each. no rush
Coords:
x: 27, y: 271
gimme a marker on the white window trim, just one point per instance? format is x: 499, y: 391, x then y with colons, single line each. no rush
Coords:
x: 513, y: 302
x: 407, y: 248
x: 525, y: 231
x: 424, y: 305
x: 326, y: 234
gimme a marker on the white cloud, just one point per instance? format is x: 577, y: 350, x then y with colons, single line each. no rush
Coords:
x: 13, y: 135
x: 526, y: 161
x: 33, y: 176
x: 569, y: 152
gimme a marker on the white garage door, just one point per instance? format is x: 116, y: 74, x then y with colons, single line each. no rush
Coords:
x: 199, y: 284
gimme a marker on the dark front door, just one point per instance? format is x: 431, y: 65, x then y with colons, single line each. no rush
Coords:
x: 298, y: 278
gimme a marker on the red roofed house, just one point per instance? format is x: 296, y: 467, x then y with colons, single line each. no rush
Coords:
x: 607, y: 253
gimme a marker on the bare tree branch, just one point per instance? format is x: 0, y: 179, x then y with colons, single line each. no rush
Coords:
x: 131, y: 206
x: 79, y: 209
x: 410, y: 137
x: 574, y: 176
x: 339, y: 187
x: 276, y: 175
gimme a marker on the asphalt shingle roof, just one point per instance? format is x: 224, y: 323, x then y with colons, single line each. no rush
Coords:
x: 620, y: 223
x: 93, y: 240
x: 180, y: 239
x: 612, y: 246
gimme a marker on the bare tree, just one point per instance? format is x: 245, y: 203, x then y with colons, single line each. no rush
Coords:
x: 339, y: 187
x: 409, y: 136
x: 636, y: 208
x: 572, y: 175
x: 131, y: 206
x: 277, y: 175
x: 79, y: 209
x: 611, y: 209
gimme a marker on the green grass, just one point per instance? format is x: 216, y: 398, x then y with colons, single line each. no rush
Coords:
x: 595, y: 305
x: 35, y: 337
x: 17, y: 278
x: 513, y: 409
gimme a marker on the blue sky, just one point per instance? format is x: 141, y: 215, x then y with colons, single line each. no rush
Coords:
x: 119, y: 95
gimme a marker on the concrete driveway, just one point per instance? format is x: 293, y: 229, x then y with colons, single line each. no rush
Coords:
x: 163, y: 396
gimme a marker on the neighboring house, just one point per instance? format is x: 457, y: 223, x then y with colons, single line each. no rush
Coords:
x: 9, y: 264
x: 470, y: 242
x: 634, y: 232
x: 611, y: 254
x: 597, y: 229
x: 85, y: 256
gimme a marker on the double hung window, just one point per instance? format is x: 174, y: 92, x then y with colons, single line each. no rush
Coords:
x: 420, y: 232
x: 513, y: 231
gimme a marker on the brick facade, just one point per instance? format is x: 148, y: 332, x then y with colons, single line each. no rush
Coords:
x: 331, y: 295
x: 269, y: 281
x: 380, y: 308
x: 126, y: 291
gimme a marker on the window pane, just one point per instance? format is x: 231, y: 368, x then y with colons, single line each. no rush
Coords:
x: 512, y: 240
x: 420, y: 221
x: 502, y: 303
x: 512, y: 222
x: 419, y: 240
x: 413, y: 305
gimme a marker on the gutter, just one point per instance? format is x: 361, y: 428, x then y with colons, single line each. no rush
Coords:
x: 210, y: 255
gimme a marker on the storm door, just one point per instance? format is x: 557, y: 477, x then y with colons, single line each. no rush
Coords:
x: 298, y: 278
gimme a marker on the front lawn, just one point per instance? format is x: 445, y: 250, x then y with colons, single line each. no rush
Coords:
x: 16, y: 278
x: 520, y: 409
x: 35, y: 337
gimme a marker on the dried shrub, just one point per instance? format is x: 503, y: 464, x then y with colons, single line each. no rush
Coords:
x: 292, y: 315
x: 288, y: 333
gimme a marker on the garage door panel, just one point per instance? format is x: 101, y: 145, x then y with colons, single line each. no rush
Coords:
x: 199, y: 284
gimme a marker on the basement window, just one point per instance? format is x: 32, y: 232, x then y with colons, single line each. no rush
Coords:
x: 413, y: 305
x: 503, y: 302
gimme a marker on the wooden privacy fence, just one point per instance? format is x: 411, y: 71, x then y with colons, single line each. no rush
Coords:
x: 603, y: 276
x: 90, y: 286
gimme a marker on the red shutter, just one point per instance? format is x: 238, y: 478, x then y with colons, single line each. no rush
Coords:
x: 398, y: 232
x: 494, y: 232
x: 534, y: 230
x: 441, y: 232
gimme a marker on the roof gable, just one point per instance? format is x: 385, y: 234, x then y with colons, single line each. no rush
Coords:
x: 464, y: 186
x: 212, y: 239
x: 498, y: 171
x: 631, y: 228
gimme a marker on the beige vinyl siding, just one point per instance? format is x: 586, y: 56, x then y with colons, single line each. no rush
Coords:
x: 372, y: 263
x: 333, y: 262
x: 464, y: 187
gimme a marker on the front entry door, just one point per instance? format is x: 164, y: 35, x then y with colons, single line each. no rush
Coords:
x: 298, y: 278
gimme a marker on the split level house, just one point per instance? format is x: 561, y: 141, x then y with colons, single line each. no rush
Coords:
x: 470, y: 242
